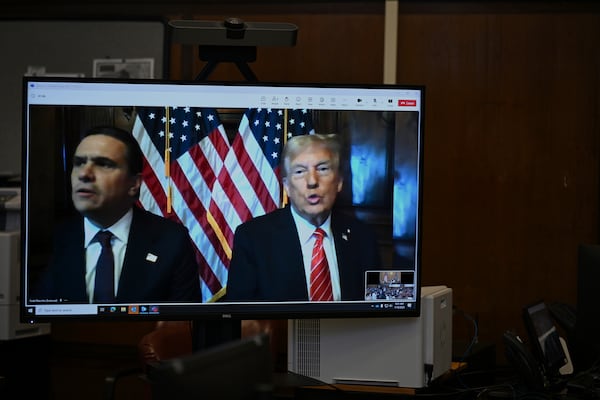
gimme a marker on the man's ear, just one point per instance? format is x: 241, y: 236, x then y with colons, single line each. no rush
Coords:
x: 134, y: 189
x: 284, y: 182
x: 285, y: 195
x: 340, y: 184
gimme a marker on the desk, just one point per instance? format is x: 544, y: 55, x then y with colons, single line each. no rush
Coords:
x: 299, y: 388
x: 339, y: 391
x: 450, y: 386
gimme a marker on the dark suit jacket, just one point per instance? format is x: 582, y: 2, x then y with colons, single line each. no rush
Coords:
x: 173, y: 277
x: 267, y: 264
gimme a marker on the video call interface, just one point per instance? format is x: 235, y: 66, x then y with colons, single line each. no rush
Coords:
x: 212, y: 162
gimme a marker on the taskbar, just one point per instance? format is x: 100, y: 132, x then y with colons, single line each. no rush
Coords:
x: 92, y: 309
x: 377, y: 307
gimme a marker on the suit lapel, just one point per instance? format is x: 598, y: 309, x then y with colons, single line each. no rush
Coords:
x: 287, y: 229
x: 74, y: 264
x: 344, y: 251
x: 140, y: 239
x: 290, y: 252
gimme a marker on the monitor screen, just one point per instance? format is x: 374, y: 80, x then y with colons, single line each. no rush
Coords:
x: 211, y: 163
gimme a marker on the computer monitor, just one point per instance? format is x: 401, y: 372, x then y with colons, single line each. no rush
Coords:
x: 205, y: 184
x: 239, y: 369
x: 587, y: 323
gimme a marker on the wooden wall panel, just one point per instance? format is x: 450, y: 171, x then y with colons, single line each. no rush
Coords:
x: 511, y: 155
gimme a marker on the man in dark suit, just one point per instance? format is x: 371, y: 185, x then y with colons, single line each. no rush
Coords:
x: 272, y: 254
x: 152, y: 259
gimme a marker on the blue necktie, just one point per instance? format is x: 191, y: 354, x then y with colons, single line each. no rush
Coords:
x: 104, y: 288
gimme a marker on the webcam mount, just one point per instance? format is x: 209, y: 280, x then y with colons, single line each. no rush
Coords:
x: 232, y: 40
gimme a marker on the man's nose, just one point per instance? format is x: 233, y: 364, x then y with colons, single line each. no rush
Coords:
x: 86, y: 172
x: 312, y: 178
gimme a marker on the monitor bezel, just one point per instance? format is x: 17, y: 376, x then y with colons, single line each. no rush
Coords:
x: 586, y: 347
x: 238, y: 310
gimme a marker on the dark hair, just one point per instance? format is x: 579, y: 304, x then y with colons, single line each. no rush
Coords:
x: 133, y: 154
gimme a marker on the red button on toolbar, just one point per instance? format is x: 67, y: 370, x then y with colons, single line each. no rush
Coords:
x: 407, y: 103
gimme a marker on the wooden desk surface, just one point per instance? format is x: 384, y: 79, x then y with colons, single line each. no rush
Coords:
x: 372, y: 389
x: 329, y: 389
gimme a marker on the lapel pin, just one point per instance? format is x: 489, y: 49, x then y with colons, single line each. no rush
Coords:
x: 346, y: 235
x: 151, y: 257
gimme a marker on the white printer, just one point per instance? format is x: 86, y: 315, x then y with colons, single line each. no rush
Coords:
x: 10, y: 269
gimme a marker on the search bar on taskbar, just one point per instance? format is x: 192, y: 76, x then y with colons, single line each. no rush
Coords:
x: 72, y: 309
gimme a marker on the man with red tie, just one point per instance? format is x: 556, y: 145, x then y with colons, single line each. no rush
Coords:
x: 306, y: 250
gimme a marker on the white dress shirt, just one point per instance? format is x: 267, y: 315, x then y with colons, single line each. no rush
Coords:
x: 120, y: 231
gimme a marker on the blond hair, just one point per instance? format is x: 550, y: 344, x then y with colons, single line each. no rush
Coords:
x: 296, y: 144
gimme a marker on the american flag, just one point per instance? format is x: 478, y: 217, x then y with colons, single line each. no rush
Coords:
x: 178, y: 182
x: 251, y: 171
x: 208, y: 185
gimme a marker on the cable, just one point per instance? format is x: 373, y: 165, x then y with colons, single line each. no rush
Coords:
x: 473, y: 342
x: 475, y: 338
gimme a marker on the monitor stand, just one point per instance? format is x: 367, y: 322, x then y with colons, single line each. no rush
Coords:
x: 207, y: 333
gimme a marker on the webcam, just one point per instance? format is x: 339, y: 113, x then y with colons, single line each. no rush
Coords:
x: 233, y: 32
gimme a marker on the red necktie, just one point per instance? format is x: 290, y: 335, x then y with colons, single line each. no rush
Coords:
x: 104, y: 288
x: 320, y: 281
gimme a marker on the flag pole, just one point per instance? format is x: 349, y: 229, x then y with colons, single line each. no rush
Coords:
x: 284, y: 198
x: 168, y: 161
